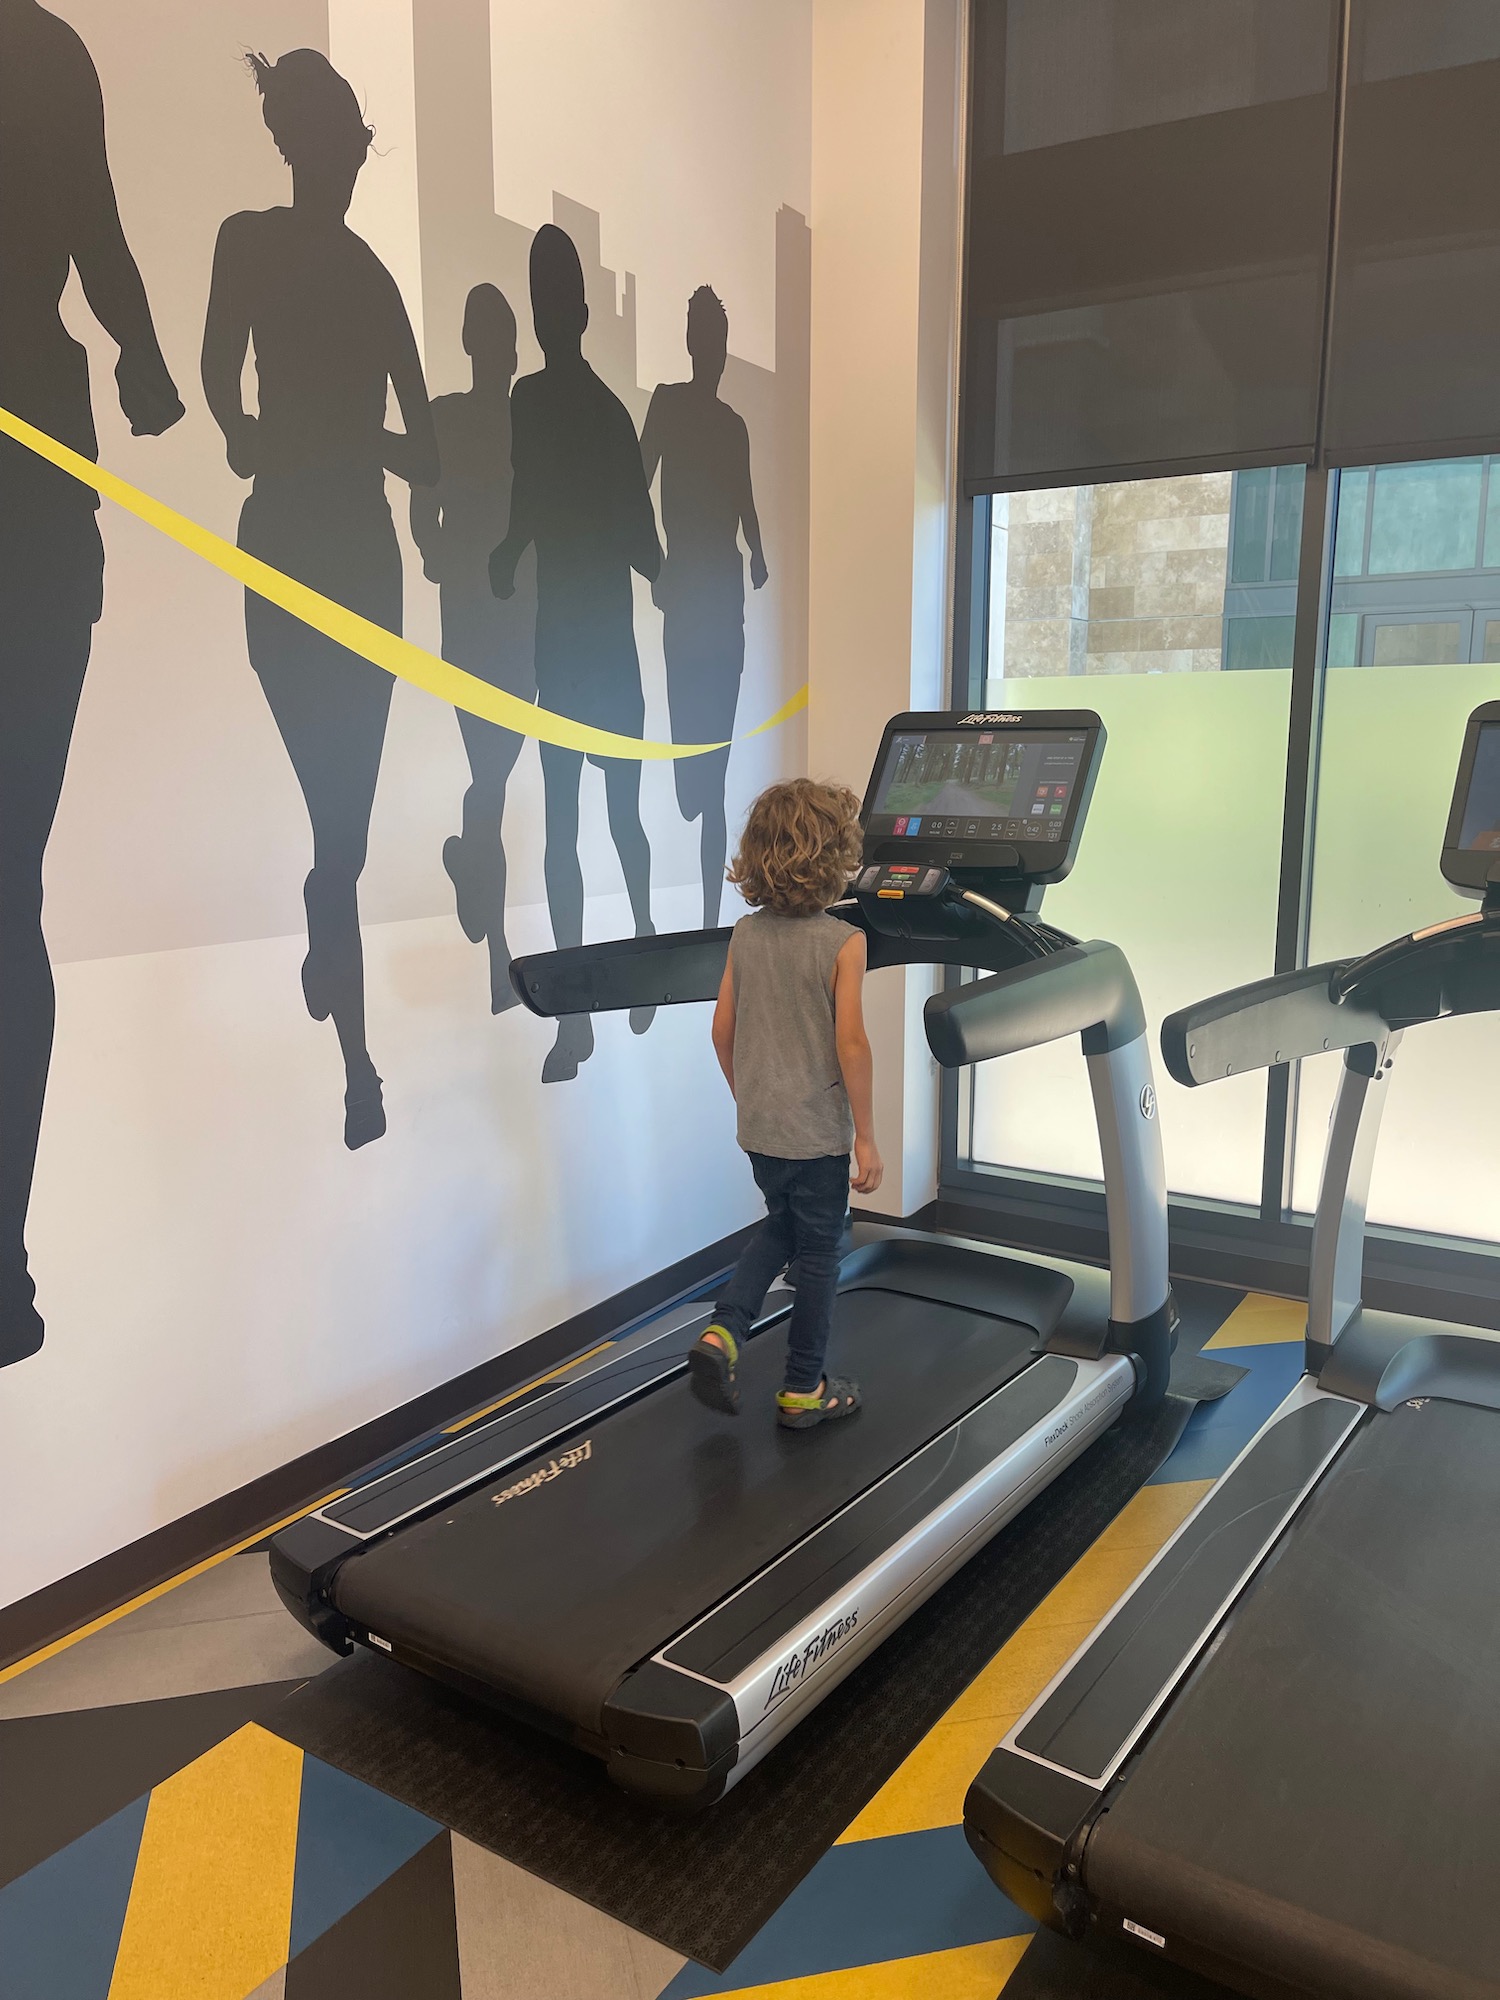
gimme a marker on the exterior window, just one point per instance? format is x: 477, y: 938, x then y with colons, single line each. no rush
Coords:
x: 1115, y: 598
x: 1415, y: 537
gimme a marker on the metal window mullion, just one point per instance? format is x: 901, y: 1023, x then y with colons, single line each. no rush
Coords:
x: 1299, y: 810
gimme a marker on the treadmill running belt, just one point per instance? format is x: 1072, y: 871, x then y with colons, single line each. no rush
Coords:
x: 551, y: 1591
x: 1320, y: 1805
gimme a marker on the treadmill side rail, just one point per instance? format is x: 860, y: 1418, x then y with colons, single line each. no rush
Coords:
x: 1090, y: 1716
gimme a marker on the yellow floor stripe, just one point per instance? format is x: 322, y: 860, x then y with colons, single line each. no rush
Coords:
x: 1260, y: 1320
x: 928, y: 1789
x: 210, y: 1912
x: 150, y: 1596
x: 971, y: 1972
x: 555, y: 1376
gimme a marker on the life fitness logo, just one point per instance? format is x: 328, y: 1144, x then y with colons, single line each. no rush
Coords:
x: 1148, y: 1101
x: 795, y: 1665
x: 984, y: 719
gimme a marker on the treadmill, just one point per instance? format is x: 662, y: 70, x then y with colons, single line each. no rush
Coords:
x: 672, y: 1589
x: 1277, y: 1760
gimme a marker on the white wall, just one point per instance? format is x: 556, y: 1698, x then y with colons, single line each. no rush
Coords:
x: 885, y: 224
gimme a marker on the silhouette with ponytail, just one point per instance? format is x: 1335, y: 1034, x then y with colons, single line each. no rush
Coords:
x: 57, y: 212
x: 580, y: 496
x: 456, y: 524
x: 329, y: 335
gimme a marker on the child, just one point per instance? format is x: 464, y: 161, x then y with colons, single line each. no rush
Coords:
x: 789, y: 1033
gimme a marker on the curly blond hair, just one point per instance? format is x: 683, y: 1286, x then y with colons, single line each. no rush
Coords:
x: 800, y: 846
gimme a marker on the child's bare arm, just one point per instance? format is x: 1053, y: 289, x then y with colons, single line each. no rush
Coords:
x: 723, y: 1028
x: 855, y: 1063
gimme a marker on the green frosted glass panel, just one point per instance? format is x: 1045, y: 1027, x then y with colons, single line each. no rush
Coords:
x: 1343, y: 639
x: 1254, y: 644
x: 1252, y: 520
x: 1491, y: 556
x: 1425, y: 517
x: 1349, y: 530
x: 1286, y: 523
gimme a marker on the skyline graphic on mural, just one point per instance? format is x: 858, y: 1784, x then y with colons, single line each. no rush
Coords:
x: 57, y: 210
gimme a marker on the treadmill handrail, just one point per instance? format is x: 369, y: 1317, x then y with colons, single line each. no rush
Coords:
x: 685, y: 966
x: 1269, y: 1021
x: 664, y: 971
x: 1086, y: 989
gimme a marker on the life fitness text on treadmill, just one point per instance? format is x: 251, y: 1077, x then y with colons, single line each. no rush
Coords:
x: 795, y: 1665
x: 565, y: 1462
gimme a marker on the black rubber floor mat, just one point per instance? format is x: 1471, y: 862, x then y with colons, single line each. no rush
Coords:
x: 1054, y: 1969
x: 704, y: 1886
x: 1202, y: 1379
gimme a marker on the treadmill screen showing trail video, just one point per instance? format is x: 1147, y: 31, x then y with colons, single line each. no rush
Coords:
x: 1481, y: 824
x: 979, y: 784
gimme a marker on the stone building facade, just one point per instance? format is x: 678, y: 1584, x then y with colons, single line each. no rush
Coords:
x: 1121, y: 579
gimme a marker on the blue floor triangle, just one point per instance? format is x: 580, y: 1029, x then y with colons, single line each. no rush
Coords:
x: 60, y: 1922
x: 350, y: 1838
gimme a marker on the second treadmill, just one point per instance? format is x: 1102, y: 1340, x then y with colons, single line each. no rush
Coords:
x: 1277, y: 1761
x: 672, y: 1591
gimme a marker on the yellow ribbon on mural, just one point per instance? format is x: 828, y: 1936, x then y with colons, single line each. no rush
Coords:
x: 372, y: 642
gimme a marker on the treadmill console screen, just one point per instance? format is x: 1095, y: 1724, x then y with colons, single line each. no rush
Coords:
x: 1479, y: 832
x: 1471, y: 845
x: 985, y: 791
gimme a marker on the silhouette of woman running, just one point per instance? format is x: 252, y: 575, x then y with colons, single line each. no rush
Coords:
x: 329, y: 332
x: 456, y: 524
x: 57, y: 211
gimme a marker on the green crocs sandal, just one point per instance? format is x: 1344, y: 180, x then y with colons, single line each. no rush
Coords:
x: 838, y: 1397
x: 712, y: 1369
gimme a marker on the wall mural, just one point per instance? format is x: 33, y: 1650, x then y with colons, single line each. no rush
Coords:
x: 530, y: 499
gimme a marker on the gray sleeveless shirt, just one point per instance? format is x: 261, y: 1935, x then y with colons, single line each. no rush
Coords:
x: 790, y: 1095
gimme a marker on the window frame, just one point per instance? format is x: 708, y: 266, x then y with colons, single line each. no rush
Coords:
x: 1264, y: 1244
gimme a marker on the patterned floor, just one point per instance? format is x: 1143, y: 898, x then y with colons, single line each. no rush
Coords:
x: 156, y: 1843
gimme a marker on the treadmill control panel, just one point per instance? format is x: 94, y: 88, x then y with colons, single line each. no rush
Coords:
x: 896, y: 880
x: 999, y: 792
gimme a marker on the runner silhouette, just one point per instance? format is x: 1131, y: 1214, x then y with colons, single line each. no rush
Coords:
x: 703, y: 450
x: 456, y: 524
x: 57, y: 209
x: 329, y: 333
x: 580, y: 497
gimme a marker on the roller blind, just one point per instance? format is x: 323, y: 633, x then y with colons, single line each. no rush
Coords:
x: 1414, y: 368
x: 1147, y: 235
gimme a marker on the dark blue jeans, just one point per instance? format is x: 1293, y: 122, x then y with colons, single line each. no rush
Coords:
x: 806, y: 1201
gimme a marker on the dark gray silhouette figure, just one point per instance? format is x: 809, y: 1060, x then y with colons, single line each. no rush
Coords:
x: 703, y: 449
x: 329, y: 333
x: 456, y: 525
x: 57, y: 209
x: 580, y: 496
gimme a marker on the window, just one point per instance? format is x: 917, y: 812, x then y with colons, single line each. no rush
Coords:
x: 1118, y: 598
x: 1423, y: 621
x: 1171, y: 607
